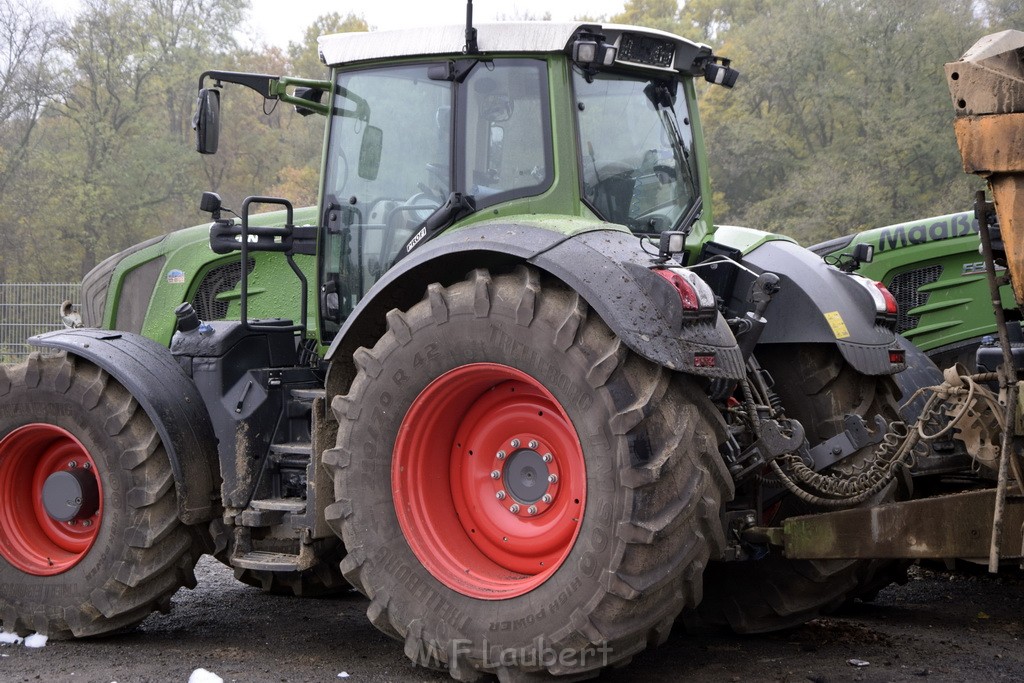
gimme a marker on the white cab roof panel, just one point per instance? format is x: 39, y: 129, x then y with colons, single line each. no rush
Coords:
x: 501, y: 37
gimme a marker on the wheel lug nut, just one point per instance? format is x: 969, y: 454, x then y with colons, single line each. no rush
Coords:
x: 73, y: 464
x: 532, y: 509
x: 86, y: 465
x: 546, y: 498
x: 553, y: 478
x: 547, y: 457
x: 495, y: 474
x: 87, y: 522
x: 533, y: 445
x: 514, y: 509
x: 500, y: 455
x: 500, y: 495
x: 515, y: 443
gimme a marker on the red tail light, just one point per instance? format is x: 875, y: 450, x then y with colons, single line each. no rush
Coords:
x: 687, y: 294
x: 885, y: 302
x: 890, y: 301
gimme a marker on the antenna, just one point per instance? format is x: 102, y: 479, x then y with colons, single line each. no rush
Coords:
x: 470, y: 48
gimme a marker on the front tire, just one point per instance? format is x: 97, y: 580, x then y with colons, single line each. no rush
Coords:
x: 120, y: 551
x: 611, y: 533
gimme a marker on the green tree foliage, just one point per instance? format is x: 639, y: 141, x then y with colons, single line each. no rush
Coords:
x: 1004, y: 14
x: 661, y: 14
x: 111, y: 164
x: 305, y: 57
x: 841, y: 120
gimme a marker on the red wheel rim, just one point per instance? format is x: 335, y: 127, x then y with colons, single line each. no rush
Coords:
x: 489, y: 481
x: 30, y: 539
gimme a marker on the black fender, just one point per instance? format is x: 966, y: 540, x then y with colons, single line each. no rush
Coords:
x: 818, y: 303
x: 608, y: 268
x: 170, y: 399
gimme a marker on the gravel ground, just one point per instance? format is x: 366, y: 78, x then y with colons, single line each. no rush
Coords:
x: 937, y: 627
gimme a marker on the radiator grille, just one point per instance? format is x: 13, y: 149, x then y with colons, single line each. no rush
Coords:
x: 905, y: 288
x: 221, y: 279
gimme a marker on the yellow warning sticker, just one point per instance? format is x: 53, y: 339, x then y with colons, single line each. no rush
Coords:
x: 835, y: 321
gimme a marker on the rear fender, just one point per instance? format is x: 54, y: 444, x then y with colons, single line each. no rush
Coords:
x: 170, y: 399
x: 818, y: 303
x: 607, y: 268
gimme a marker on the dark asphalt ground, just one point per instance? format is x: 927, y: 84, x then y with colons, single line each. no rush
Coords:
x: 937, y: 627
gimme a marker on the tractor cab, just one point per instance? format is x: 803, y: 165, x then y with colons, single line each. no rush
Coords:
x: 445, y: 133
x: 427, y: 133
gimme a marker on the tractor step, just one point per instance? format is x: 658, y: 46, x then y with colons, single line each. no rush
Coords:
x: 264, y: 512
x: 259, y: 518
x: 262, y: 560
x: 291, y: 454
x: 308, y: 394
x: 279, y: 504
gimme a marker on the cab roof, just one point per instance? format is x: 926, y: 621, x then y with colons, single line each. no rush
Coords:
x: 502, y: 37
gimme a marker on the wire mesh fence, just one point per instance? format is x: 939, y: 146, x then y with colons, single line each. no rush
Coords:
x: 29, y: 309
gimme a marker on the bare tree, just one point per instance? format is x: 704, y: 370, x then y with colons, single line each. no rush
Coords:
x: 28, y: 39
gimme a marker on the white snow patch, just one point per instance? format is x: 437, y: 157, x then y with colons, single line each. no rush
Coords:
x: 36, y: 640
x: 343, y: 674
x: 10, y: 638
x: 204, y: 676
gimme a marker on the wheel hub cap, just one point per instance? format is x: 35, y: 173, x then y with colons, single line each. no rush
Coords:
x: 71, y: 494
x: 526, y: 476
x: 51, y: 499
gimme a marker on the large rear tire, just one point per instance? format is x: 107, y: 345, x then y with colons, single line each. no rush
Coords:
x: 517, y: 491
x: 111, y: 551
x: 817, y: 388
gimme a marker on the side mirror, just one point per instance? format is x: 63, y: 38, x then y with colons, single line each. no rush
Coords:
x: 206, y: 121
x: 369, y: 152
x: 310, y: 95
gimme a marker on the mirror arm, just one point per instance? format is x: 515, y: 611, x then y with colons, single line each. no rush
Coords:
x: 261, y: 83
x: 271, y: 87
x: 281, y: 86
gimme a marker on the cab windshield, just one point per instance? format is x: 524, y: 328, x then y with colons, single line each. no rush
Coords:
x: 636, y: 150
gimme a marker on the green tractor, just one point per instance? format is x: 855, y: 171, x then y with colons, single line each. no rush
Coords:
x: 506, y: 379
x: 935, y: 270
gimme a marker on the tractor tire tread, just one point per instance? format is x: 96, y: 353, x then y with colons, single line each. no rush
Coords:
x: 159, y: 555
x: 673, y: 528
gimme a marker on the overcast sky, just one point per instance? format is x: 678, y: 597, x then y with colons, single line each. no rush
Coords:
x: 281, y: 21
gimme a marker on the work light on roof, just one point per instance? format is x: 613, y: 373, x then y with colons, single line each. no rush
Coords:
x: 591, y: 50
